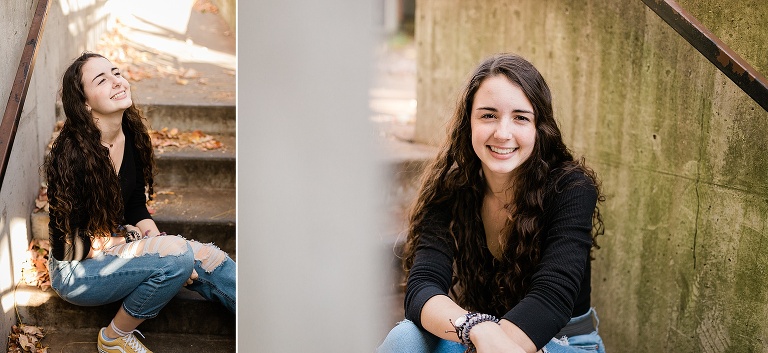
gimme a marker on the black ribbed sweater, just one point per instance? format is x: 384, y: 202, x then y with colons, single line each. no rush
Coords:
x: 132, y: 187
x: 560, y: 287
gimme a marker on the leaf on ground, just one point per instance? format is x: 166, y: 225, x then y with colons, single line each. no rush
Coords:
x: 34, y: 271
x: 139, y: 64
x: 189, y: 73
x: 26, y: 338
x: 204, y: 6
x: 174, y: 138
x: 41, y: 202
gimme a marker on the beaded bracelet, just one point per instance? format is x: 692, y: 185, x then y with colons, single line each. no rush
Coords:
x: 464, y: 325
x: 132, y: 235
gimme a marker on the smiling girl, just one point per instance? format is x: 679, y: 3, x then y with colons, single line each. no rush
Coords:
x: 500, y: 235
x: 105, y: 245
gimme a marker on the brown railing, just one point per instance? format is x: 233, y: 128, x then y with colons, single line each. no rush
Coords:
x: 21, y: 82
x: 726, y: 60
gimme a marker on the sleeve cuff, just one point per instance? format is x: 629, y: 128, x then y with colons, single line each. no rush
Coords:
x: 536, y: 320
x: 416, y: 304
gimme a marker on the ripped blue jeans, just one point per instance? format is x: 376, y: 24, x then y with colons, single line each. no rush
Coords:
x: 407, y: 337
x: 146, y: 274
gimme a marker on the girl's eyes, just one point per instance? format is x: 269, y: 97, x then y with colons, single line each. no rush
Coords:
x: 522, y: 117
x: 116, y: 73
x: 517, y: 117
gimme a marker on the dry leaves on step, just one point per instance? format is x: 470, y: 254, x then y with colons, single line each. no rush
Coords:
x: 135, y: 64
x: 26, y: 338
x: 41, y: 202
x: 173, y: 138
x: 204, y: 6
x: 34, y: 271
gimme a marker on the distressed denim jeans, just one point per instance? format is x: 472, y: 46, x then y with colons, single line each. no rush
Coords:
x: 407, y: 337
x: 146, y: 274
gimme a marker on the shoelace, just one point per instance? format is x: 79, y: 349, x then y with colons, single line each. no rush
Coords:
x: 133, y: 342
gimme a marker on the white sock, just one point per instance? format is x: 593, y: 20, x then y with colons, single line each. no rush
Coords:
x: 118, y: 331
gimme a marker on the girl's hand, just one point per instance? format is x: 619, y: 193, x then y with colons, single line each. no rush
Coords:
x: 192, y: 277
x: 488, y: 337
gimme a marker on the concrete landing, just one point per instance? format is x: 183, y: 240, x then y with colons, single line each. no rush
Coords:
x: 190, y: 54
x: 85, y: 341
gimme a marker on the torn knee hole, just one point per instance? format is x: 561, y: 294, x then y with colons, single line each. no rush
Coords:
x: 209, y: 255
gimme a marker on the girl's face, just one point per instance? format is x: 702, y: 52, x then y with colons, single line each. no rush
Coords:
x: 106, y: 91
x: 503, y: 126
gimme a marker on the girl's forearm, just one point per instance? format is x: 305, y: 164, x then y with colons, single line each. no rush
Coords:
x: 148, y: 227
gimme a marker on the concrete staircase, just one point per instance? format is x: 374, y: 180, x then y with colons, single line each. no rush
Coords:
x: 195, y: 198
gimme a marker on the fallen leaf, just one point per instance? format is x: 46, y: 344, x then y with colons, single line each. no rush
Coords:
x: 26, y: 338
x: 191, y: 73
x: 41, y: 202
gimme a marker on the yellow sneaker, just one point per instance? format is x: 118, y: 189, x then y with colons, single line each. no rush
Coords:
x: 125, y: 344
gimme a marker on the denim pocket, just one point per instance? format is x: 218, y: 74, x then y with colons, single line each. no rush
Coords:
x: 587, y: 347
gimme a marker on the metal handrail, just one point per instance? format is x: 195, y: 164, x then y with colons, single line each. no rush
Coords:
x: 726, y: 60
x: 21, y: 83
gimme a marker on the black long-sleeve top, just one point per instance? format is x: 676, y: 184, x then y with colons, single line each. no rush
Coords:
x: 560, y: 287
x: 132, y: 187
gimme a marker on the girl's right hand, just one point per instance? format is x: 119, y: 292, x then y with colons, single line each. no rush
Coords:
x: 488, y: 337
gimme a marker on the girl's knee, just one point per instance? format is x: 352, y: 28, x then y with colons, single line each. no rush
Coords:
x: 209, y: 255
x: 161, y: 246
x: 406, y: 337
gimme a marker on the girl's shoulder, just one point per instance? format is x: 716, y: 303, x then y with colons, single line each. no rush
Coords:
x: 571, y: 175
x: 566, y: 183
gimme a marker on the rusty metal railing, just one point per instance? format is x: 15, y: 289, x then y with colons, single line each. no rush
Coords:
x: 726, y: 60
x: 12, y: 114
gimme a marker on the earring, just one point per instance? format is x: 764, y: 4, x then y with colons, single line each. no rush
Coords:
x: 88, y: 108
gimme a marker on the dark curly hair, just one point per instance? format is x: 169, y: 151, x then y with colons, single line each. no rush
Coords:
x: 455, y: 181
x: 83, y: 188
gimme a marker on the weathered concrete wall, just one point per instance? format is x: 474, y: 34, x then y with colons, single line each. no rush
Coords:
x: 680, y: 150
x: 72, y: 26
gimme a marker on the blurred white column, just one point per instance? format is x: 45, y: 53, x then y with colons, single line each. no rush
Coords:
x: 311, y: 271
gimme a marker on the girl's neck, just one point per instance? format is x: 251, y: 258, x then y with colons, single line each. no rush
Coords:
x: 501, y: 188
x: 110, y: 126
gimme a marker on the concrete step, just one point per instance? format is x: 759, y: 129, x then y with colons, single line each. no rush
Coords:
x: 78, y: 341
x: 190, y: 167
x: 205, y: 215
x: 211, y: 118
x: 216, y: 119
x: 187, y: 313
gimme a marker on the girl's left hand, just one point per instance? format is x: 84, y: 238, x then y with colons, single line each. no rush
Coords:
x: 192, y: 277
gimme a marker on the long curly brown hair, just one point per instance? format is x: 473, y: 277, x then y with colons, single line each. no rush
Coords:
x: 454, y: 181
x: 83, y: 188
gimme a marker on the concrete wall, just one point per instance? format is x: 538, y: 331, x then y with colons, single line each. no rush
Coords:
x: 72, y: 26
x: 680, y: 150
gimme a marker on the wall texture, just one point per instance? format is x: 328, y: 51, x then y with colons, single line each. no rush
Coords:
x: 72, y: 26
x: 679, y: 148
